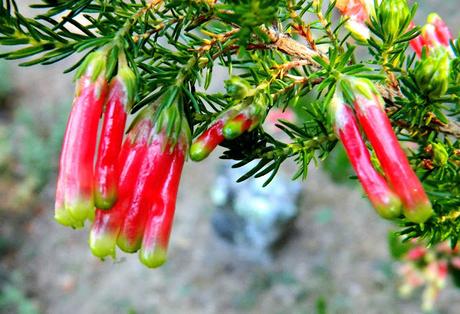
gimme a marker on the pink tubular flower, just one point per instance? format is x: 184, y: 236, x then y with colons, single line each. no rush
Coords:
x: 106, y: 173
x: 105, y: 229
x: 442, y: 35
x: 384, y: 200
x: 146, y: 191
x: 171, y: 160
x: 417, y: 43
x: 229, y: 125
x: 207, y: 141
x: 435, y: 35
x: 74, y: 192
x: 160, y: 219
x: 377, y: 127
x: 416, y: 253
x: 456, y: 262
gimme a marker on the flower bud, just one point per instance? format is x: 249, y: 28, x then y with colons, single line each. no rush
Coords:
x: 432, y: 73
x: 247, y: 119
x: 236, y: 126
x: 440, y: 155
x: 396, y: 15
x: 229, y: 125
x: 237, y: 87
x: 207, y: 141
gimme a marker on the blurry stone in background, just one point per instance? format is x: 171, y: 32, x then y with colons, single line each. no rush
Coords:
x: 254, y: 219
x: 251, y: 217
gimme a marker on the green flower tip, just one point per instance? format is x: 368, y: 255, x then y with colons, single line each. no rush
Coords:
x: 199, y: 151
x: 153, y: 258
x: 390, y: 210
x: 105, y: 201
x: 102, y: 244
x: 128, y: 246
x: 94, y: 65
x: 81, y: 209
x: 433, y: 18
x: 128, y: 79
x: 62, y: 217
x: 235, y: 127
x: 420, y: 213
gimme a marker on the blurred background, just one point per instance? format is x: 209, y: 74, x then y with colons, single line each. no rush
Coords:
x: 329, y: 254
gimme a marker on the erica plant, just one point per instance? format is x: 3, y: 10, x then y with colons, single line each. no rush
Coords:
x: 359, y: 72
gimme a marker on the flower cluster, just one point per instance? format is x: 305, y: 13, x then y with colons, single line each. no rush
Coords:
x: 429, y: 268
x: 399, y: 187
x: 127, y: 188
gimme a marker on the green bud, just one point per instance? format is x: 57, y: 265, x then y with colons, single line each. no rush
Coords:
x: 237, y: 87
x: 199, y: 151
x: 362, y: 87
x: 258, y: 110
x: 432, y: 73
x: 395, y: 17
x: 440, y: 155
x: 94, y: 65
x: 128, y: 78
x: 236, y: 126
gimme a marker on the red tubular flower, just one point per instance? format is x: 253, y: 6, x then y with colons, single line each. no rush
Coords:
x: 106, y: 175
x: 236, y: 126
x: 77, y: 157
x: 377, y: 127
x: 105, y: 229
x: 207, y: 141
x: 443, y: 34
x: 159, y: 223
x: 384, y: 200
x: 416, y: 253
x: 230, y: 125
x: 147, y: 189
x: 61, y: 215
x: 435, y: 34
x: 417, y: 43
x: 246, y: 118
x: 168, y: 173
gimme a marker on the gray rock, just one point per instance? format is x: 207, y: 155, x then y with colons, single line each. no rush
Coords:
x: 254, y: 219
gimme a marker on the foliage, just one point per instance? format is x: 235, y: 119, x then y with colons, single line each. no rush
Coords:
x: 13, y: 299
x: 175, y: 48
